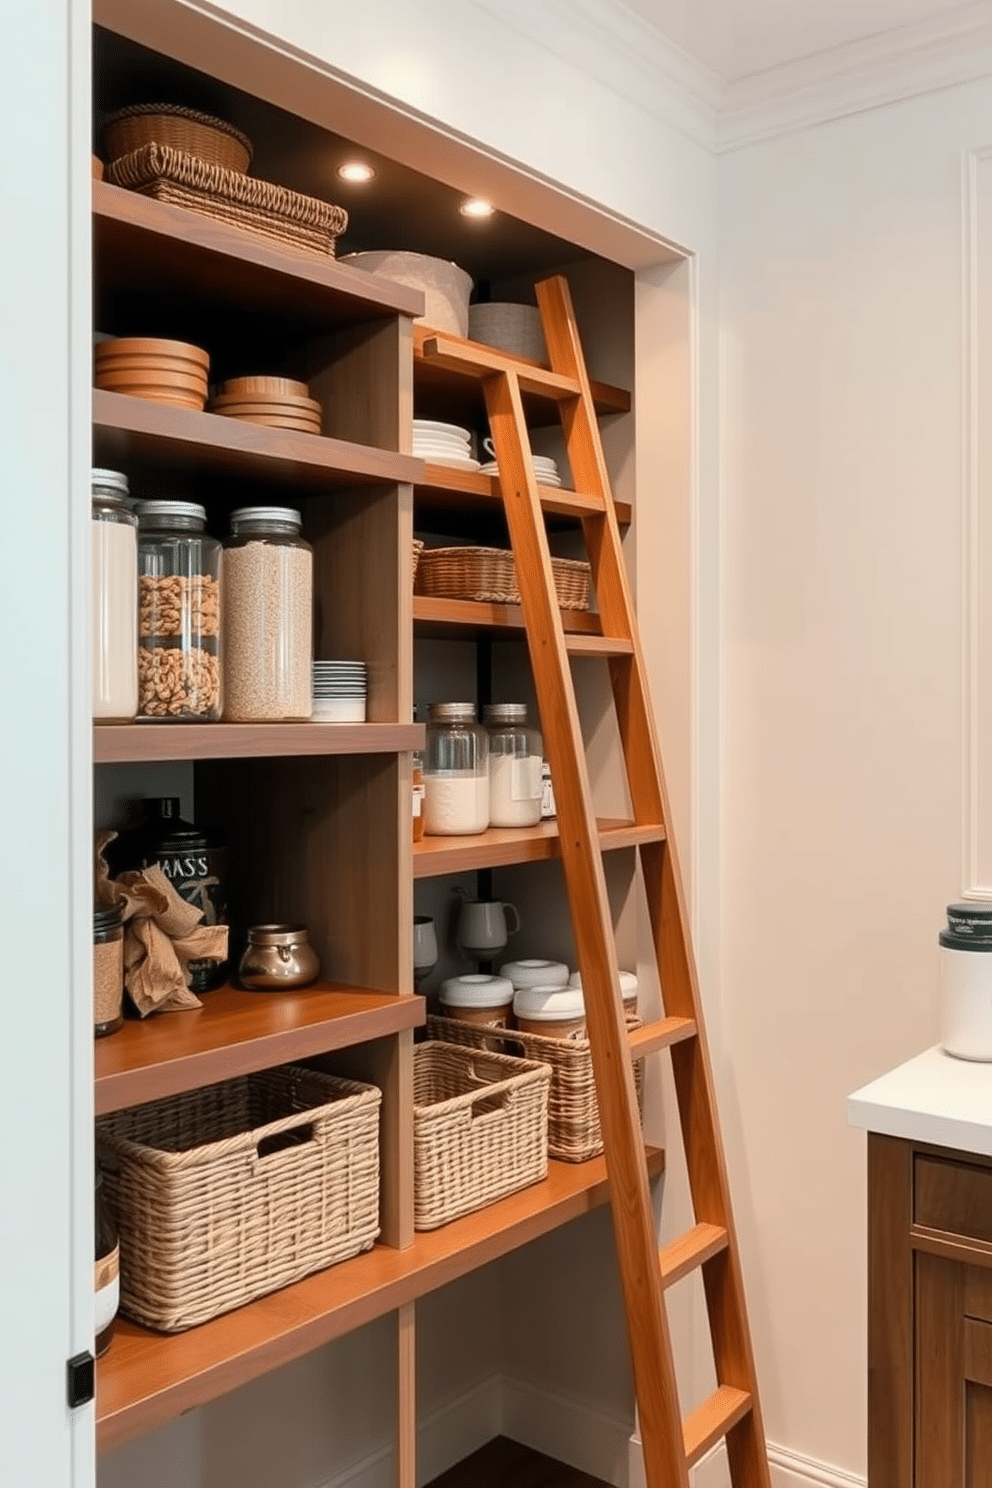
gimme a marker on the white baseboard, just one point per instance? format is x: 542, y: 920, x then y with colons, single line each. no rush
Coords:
x: 581, y: 1435
x: 444, y: 1437
x: 788, y: 1470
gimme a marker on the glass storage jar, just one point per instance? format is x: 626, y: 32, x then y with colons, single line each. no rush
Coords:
x: 106, y: 1270
x: 179, y: 614
x: 456, y: 773
x: 268, y: 617
x: 108, y: 969
x: 516, y: 754
x: 113, y: 540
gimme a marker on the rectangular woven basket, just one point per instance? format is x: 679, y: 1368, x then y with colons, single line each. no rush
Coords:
x: 480, y: 1129
x: 490, y: 575
x: 170, y: 175
x: 225, y: 1193
x: 574, y: 1133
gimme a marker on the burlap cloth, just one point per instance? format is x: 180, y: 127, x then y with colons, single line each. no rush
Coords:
x: 162, y: 934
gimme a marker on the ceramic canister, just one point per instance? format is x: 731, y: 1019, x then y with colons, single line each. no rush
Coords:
x: 628, y: 989
x: 552, y: 1012
x: 966, y: 982
x: 477, y: 998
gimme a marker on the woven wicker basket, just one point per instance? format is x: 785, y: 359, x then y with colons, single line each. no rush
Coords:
x: 480, y: 1129
x: 418, y: 548
x: 184, y: 181
x: 489, y: 574
x: 229, y: 1192
x: 209, y: 139
x: 574, y: 1133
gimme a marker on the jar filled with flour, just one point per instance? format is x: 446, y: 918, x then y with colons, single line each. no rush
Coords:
x: 114, y: 544
x: 516, y: 754
x: 456, y: 772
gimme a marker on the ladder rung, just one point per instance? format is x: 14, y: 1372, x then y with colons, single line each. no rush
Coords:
x: 660, y: 1035
x: 712, y: 1420
x: 593, y: 645
x: 690, y: 1251
x: 476, y: 361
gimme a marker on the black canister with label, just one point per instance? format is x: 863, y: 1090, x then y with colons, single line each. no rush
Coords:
x: 195, y: 863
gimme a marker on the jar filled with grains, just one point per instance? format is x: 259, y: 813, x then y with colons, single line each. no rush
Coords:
x: 268, y: 617
x: 108, y: 970
x: 179, y: 614
x: 114, y: 546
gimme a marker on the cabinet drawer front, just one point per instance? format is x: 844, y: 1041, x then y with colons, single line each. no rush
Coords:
x: 953, y: 1196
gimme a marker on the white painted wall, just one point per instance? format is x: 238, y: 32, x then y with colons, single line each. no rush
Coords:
x: 842, y: 725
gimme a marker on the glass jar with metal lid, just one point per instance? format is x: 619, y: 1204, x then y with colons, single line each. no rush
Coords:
x: 456, y: 773
x: 179, y: 614
x: 268, y: 616
x: 114, y: 549
x: 516, y: 753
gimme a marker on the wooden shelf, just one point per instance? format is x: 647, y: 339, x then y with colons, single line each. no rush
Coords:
x: 446, y: 489
x: 441, y: 393
x: 236, y: 1032
x: 119, y: 742
x: 147, y: 1379
x: 129, y: 430
x: 449, y: 618
x: 501, y: 846
x: 143, y: 244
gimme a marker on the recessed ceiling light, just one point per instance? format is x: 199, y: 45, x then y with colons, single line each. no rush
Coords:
x: 356, y: 170
x: 475, y: 207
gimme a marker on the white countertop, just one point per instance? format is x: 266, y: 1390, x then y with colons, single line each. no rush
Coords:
x: 932, y: 1098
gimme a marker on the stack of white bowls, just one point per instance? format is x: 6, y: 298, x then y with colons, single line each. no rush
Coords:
x: 545, y: 470
x: 339, y: 691
x: 443, y: 444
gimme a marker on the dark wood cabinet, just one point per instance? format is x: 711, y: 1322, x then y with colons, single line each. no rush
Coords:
x: 929, y: 1316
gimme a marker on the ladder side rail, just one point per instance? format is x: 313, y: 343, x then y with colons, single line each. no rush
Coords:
x: 653, y: 1365
x: 695, y: 1088
x: 603, y: 545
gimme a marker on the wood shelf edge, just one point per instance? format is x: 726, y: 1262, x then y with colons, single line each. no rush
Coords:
x: 501, y: 846
x: 237, y: 1032
x: 151, y: 1378
x: 130, y: 209
x: 116, y: 743
x: 606, y: 397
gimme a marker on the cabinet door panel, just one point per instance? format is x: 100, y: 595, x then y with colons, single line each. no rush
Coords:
x: 954, y: 1378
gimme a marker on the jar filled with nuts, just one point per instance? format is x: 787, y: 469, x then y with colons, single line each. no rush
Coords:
x: 268, y: 616
x: 179, y: 614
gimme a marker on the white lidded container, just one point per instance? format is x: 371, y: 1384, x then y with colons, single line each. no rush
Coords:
x: 628, y: 988
x: 534, y: 972
x: 477, y: 998
x: 552, y: 1012
x: 456, y: 772
x: 966, y: 982
x: 114, y: 559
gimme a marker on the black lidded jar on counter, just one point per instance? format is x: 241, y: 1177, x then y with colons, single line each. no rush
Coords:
x: 195, y: 863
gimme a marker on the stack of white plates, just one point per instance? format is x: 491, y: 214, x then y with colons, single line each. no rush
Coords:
x: 545, y: 470
x: 443, y: 444
x: 339, y: 690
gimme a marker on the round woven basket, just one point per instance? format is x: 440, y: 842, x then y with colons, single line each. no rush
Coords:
x: 209, y: 139
x: 446, y: 287
x: 513, y: 328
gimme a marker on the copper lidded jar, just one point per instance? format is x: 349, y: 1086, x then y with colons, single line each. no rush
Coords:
x: 278, y: 958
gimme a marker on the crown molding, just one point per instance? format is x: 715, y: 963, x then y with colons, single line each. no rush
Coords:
x: 939, y: 52
x: 605, y: 41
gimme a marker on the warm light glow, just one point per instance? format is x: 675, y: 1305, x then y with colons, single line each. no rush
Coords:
x: 475, y: 207
x: 356, y: 170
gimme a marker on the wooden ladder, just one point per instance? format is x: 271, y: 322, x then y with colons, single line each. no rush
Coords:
x: 671, y: 1445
